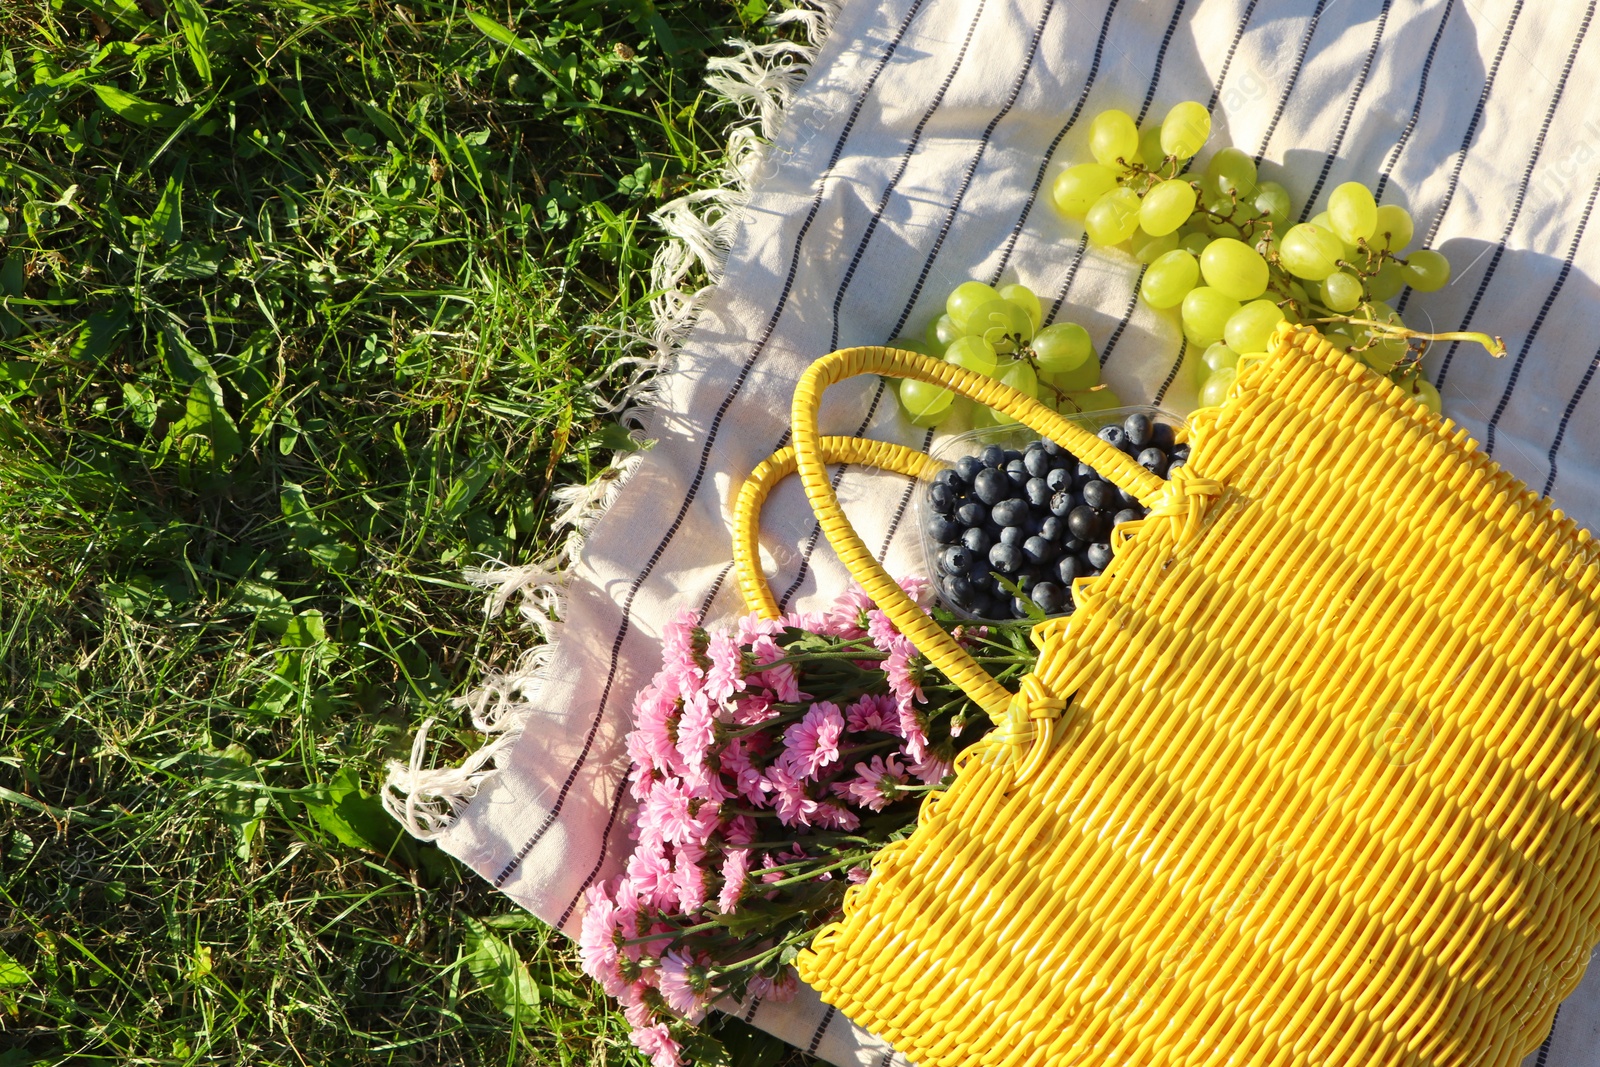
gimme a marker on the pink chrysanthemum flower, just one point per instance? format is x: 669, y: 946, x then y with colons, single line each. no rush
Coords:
x: 930, y: 770
x: 690, y: 879
x: 597, y: 943
x: 873, y: 713
x: 634, y: 1009
x: 696, y: 730
x: 919, y: 589
x: 789, y: 797
x: 779, y: 991
x: 735, y: 871
x: 857, y: 875
x: 752, y: 709
x: 657, y: 1043
x: 813, y: 743
x: 683, y: 986
x: 844, y: 618
x: 650, y: 874
x: 677, y: 640
x: 832, y: 816
x: 753, y: 626
x: 877, y: 785
x: 726, y: 676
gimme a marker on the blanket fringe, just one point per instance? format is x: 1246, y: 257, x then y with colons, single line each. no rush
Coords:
x: 757, y: 80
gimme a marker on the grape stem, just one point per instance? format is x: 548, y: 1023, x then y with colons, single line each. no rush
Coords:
x: 1494, y: 345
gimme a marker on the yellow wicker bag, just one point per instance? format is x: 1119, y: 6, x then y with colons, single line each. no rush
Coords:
x: 1311, y: 776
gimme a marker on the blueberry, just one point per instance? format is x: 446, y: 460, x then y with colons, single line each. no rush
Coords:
x: 968, y: 467
x: 950, y: 479
x: 1051, y: 449
x: 1063, y: 502
x: 1175, y: 463
x: 1113, y: 436
x: 944, y: 530
x: 1058, y: 479
x: 1069, y: 569
x: 1127, y: 515
x: 1098, y: 494
x: 1011, y: 512
x: 1007, y: 559
x: 1084, y: 473
x: 1038, y: 550
x: 1084, y: 522
x: 960, y: 590
x: 1038, y: 492
x: 971, y: 513
x: 1017, y: 471
x: 1099, y: 555
x: 977, y: 541
x: 1153, y: 460
x: 955, y: 560
x: 1162, y: 436
x: 1127, y: 499
x: 1013, y: 535
x: 1013, y: 453
x: 1136, y: 428
x: 1076, y: 546
x: 1050, y: 597
x: 1053, y: 530
x: 993, y: 456
x: 1037, y: 460
x: 991, y: 486
x: 1019, y: 608
x: 942, y: 497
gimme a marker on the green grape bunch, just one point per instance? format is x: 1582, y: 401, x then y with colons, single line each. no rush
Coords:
x: 1219, y: 249
x: 997, y: 332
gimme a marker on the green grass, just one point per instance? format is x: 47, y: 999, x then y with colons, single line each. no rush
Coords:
x: 305, y: 305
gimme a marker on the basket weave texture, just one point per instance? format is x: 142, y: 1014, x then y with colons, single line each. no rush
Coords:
x: 1312, y: 774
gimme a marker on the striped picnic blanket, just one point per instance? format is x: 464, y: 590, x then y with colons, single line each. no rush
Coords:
x: 918, y: 153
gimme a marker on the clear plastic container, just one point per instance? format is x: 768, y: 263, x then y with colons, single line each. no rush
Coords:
x: 1016, y: 436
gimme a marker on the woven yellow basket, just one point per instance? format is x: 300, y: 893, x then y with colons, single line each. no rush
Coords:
x: 1312, y: 775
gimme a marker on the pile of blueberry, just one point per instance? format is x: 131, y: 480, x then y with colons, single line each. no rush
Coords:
x: 1036, y: 517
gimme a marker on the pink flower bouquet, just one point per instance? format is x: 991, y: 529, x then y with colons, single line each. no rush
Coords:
x: 769, y: 765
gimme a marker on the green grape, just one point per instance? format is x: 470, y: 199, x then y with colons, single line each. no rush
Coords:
x: 1206, y: 312
x: 1194, y: 242
x: 1169, y: 279
x: 1065, y: 346
x: 1352, y: 254
x: 1218, y: 356
x: 1424, y: 393
x: 1234, y: 268
x: 1353, y: 212
x: 1085, y: 376
x: 1025, y: 299
x: 925, y: 404
x: 942, y: 333
x: 1150, y: 151
x: 1250, y: 328
x: 1001, y: 323
x: 1341, y: 291
x: 1217, y: 384
x: 1113, y: 137
x: 1019, y: 375
x: 1232, y: 170
x: 1426, y: 271
x: 1092, y: 400
x: 1273, y: 200
x: 1311, y: 252
x: 1387, y: 282
x: 966, y: 298
x: 1395, y: 221
x: 1166, y: 207
x: 983, y: 418
x: 1185, y: 130
x: 1383, y: 356
x: 910, y: 344
x: 1147, y: 249
x: 1114, y: 217
x: 973, y: 354
x: 1077, y: 188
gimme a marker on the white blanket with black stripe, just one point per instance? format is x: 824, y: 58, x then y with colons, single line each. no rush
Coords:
x: 917, y: 154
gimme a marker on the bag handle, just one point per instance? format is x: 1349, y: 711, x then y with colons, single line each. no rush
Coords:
x: 928, y: 636
x: 861, y: 451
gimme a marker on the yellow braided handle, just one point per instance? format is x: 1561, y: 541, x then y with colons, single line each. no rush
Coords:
x: 883, y: 455
x: 810, y: 460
